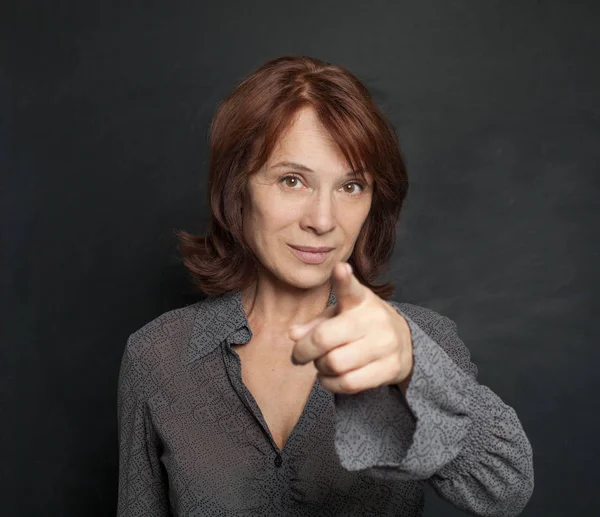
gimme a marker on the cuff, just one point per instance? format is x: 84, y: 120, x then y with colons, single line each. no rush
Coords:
x: 414, y: 435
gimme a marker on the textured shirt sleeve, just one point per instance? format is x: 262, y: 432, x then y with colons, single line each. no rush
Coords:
x: 142, y: 482
x: 448, y: 429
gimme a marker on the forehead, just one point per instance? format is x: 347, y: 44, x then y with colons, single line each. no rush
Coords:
x: 308, y: 138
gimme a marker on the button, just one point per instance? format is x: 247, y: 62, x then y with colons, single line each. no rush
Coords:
x: 278, y: 461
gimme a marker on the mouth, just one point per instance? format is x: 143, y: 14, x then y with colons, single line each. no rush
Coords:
x: 310, y: 255
x: 310, y: 249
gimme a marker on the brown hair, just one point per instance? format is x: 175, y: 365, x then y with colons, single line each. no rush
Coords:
x: 243, y: 133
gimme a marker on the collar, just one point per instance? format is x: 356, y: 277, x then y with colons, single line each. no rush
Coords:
x: 223, y: 319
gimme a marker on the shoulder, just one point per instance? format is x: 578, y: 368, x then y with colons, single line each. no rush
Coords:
x: 427, y: 319
x: 165, y: 336
x: 441, y: 329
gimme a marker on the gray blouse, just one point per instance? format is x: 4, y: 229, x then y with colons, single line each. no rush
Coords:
x: 193, y: 442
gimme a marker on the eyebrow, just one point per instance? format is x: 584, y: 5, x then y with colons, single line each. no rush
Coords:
x: 304, y: 168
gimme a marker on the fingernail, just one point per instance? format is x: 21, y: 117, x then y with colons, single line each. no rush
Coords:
x: 349, y: 268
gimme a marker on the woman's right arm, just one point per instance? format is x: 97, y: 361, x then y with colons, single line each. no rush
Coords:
x: 143, y: 486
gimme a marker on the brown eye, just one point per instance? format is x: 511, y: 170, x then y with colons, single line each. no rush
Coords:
x: 349, y: 188
x: 291, y: 181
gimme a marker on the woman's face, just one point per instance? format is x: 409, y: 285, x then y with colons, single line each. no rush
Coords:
x: 305, y: 196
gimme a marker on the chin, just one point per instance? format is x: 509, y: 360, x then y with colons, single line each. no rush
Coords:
x: 307, y: 277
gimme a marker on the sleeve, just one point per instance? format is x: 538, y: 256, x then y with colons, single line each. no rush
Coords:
x: 448, y: 429
x: 143, y: 487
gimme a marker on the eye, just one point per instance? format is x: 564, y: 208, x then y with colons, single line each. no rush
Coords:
x: 348, y: 187
x: 291, y: 181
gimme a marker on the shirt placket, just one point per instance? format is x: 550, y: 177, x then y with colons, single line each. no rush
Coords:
x: 233, y: 367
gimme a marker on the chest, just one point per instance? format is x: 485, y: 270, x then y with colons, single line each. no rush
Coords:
x: 219, y: 461
x: 280, y: 388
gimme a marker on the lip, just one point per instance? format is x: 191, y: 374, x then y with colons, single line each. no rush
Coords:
x: 310, y: 249
x: 311, y: 255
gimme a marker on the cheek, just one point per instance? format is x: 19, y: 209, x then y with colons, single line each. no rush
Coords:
x: 355, y: 218
x: 275, y: 214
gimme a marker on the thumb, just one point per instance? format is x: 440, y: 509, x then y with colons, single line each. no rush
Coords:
x: 348, y: 290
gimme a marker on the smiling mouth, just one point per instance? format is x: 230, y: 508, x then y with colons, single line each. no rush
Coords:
x: 310, y: 255
x: 309, y: 249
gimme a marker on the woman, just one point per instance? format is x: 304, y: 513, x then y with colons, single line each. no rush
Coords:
x: 297, y: 387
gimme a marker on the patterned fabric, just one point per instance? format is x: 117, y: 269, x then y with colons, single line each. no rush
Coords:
x: 193, y: 441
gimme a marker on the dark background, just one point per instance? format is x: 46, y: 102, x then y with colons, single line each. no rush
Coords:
x: 105, y: 108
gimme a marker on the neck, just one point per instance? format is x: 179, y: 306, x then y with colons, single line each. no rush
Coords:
x: 274, y: 306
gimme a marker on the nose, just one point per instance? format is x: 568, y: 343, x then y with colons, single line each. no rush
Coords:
x: 319, y: 213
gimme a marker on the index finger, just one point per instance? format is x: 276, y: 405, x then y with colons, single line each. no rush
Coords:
x: 325, y: 336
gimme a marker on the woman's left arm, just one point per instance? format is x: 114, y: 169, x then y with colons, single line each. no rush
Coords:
x: 445, y: 428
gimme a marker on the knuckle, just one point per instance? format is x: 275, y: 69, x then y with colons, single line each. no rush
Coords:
x: 391, y: 340
x: 349, y: 384
x: 320, y: 336
x: 333, y: 362
x: 397, y: 367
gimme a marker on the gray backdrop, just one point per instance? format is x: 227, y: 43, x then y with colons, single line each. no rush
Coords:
x: 104, y: 114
